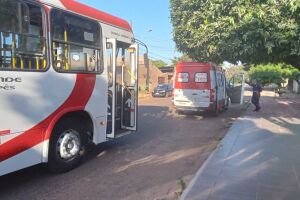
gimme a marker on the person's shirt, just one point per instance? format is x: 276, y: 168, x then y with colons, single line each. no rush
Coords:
x: 257, y: 89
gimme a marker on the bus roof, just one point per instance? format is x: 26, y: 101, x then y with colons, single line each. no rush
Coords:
x: 88, y: 11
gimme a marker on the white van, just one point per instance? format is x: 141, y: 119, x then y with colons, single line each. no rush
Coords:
x: 199, y: 87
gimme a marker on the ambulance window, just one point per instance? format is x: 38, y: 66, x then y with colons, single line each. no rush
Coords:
x: 183, y: 77
x: 22, y: 37
x: 76, y: 43
x: 201, y: 77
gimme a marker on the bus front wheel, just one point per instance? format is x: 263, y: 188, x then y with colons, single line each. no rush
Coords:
x: 67, y: 146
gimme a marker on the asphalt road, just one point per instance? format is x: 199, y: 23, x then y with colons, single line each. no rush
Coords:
x: 146, y: 165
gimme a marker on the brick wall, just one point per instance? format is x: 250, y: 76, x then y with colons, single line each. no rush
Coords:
x: 155, y: 74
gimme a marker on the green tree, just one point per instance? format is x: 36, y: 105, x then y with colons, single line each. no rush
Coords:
x: 251, y: 31
x: 274, y: 73
x: 184, y: 57
x: 233, y: 70
x: 159, y: 63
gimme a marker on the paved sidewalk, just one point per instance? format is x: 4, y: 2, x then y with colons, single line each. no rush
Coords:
x: 259, y: 159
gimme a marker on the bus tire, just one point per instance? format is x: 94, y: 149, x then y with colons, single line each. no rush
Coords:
x: 67, y: 146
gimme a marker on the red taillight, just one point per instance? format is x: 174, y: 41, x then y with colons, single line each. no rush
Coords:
x: 212, y: 94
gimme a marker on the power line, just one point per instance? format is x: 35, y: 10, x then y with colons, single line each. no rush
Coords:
x: 159, y: 58
x: 161, y: 47
x: 163, y: 50
x: 153, y: 39
x: 157, y: 55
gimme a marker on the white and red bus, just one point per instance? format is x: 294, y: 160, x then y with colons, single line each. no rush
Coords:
x: 67, y: 78
x: 200, y: 86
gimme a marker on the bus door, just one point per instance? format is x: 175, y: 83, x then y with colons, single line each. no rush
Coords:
x: 129, y: 87
x: 122, y: 62
x: 111, y: 77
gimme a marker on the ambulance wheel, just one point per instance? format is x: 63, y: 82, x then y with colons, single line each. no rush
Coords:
x: 67, y: 146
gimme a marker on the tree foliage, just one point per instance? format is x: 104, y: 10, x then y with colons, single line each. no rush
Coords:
x: 251, y: 31
x: 159, y: 63
x: 234, y: 70
x: 184, y: 57
x: 274, y: 73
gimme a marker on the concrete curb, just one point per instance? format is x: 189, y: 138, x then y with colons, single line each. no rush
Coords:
x: 199, y: 172
x: 191, y: 184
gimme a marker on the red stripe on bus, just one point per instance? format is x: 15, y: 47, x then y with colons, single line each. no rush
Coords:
x: 78, y: 98
x: 96, y: 14
x: 5, y: 132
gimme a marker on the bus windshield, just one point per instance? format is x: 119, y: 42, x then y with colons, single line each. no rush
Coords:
x: 22, y: 41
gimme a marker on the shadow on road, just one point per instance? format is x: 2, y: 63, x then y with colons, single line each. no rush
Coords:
x: 259, y: 158
x: 166, y: 147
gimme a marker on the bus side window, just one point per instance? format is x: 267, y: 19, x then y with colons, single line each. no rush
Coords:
x: 76, y: 43
x: 22, y: 37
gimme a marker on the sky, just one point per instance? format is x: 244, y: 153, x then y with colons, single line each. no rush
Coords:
x: 150, y: 20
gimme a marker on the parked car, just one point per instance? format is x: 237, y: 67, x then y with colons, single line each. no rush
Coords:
x: 200, y: 87
x: 162, y: 90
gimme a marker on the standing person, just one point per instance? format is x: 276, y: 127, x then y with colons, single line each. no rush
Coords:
x: 257, y: 89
